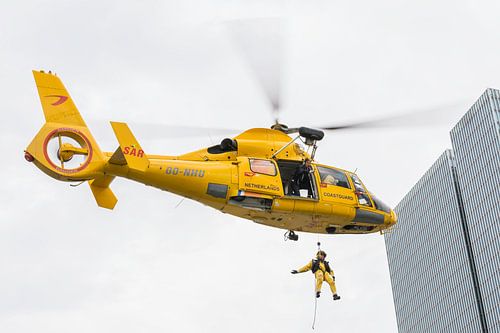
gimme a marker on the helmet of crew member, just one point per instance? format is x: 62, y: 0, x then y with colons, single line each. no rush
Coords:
x: 322, y: 253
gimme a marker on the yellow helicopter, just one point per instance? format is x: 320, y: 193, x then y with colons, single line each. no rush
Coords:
x: 249, y: 176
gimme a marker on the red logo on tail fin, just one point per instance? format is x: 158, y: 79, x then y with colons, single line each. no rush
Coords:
x: 61, y: 99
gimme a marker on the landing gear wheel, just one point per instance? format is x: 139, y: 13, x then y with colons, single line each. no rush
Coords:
x: 291, y: 235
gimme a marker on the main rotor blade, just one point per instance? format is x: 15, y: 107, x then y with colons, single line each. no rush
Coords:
x: 415, y: 118
x: 171, y: 131
x: 165, y: 131
x: 260, y: 42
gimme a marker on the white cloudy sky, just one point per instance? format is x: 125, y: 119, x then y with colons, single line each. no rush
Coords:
x: 148, y: 266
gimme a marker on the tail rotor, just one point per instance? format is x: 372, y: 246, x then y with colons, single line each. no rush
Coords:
x: 67, y: 150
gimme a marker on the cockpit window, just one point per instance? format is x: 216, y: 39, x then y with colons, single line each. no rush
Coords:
x: 380, y: 205
x: 360, y: 191
x: 334, y: 177
x: 263, y: 166
x: 357, y: 184
x: 363, y: 199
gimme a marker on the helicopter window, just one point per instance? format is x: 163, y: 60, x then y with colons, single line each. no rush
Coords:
x: 263, y: 166
x: 363, y: 199
x: 357, y: 184
x: 333, y: 177
x: 380, y: 205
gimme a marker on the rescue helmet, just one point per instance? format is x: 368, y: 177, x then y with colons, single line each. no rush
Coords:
x: 321, y: 252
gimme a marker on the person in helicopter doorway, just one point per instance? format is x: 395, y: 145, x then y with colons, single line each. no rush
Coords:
x: 301, y: 179
x: 322, y: 271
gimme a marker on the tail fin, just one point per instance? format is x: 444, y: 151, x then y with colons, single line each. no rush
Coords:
x: 64, y: 148
x: 57, y: 104
x: 130, y: 151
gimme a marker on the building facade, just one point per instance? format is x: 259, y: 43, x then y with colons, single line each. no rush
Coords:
x: 444, y: 253
x: 430, y: 273
x: 476, y: 144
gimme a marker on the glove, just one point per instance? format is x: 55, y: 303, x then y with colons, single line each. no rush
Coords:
x: 294, y: 271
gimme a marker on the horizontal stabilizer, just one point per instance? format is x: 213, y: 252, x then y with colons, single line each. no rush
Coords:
x: 130, y: 150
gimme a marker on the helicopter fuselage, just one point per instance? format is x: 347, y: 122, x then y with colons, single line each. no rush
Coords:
x: 251, y: 176
x: 226, y: 181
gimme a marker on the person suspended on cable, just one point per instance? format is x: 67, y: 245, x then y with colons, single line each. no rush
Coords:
x: 322, y: 271
x: 301, y: 179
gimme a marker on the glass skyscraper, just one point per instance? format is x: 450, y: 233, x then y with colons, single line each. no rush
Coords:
x: 444, y: 253
x: 476, y: 144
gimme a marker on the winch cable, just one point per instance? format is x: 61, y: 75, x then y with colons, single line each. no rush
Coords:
x: 315, y: 307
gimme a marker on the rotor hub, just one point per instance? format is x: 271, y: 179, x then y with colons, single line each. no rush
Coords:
x: 280, y: 127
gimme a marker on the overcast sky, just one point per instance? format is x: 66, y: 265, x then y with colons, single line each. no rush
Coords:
x: 148, y: 266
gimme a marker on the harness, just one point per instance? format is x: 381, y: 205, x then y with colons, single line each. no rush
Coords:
x: 315, y: 266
